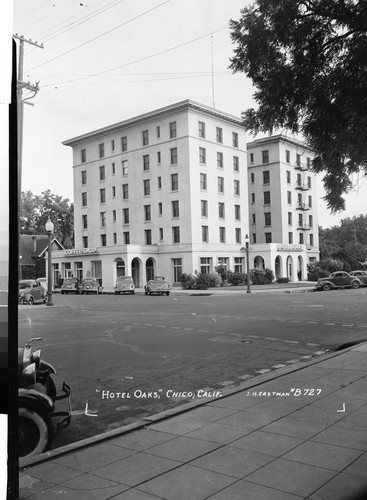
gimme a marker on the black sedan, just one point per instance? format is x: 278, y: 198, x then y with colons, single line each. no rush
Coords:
x: 339, y: 279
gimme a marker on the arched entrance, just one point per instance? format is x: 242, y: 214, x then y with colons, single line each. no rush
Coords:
x: 290, y: 268
x: 135, y: 271
x: 259, y: 262
x: 278, y: 267
x: 149, y: 269
x: 120, y: 267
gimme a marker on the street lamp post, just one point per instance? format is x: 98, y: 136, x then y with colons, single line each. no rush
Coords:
x: 49, y: 230
x: 247, y: 241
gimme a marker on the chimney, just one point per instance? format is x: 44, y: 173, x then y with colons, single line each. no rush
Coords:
x: 34, y: 238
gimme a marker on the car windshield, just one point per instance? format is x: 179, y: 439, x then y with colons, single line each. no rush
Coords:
x: 70, y: 280
x: 88, y: 280
x: 25, y: 284
x: 124, y: 279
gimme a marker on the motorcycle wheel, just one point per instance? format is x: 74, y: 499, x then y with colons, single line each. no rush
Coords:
x: 35, y: 430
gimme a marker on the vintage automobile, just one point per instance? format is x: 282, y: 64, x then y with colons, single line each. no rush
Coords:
x: 157, y: 285
x: 90, y: 285
x: 361, y: 275
x: 44, y: 283
x: 31, y: 292
x: 37, y: 395
x: 70, y: 285
x: 124, y: 284
x: 339, y: 279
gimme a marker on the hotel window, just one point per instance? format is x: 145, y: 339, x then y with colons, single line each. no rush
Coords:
x: 238, y: 235
x: 161, y: 234
x: 125, y: 191
x: 253, y: 237
x: 223, y: 262
x: 102, y: 173
x: 173, y: 156
x: 220, y: 184
x: 177, y: 270
x: 205, y: 265
x: 125, y: 168
x: 146, y: 187
x: 219, y: 135
x: 309, y: 182
x: 290, y: 238
x: 114, y: 238
x: 238, y: 264
x: 287, y: 156
x: 265, y: 155
x: 113, y: 215
x: 301, y: 239
x: 310, y: 220
x: 308, y: 162
x: 300, y: 220
x: 125, y: 214
x: 147, y: 213
x: 311, y: 240
x: 235, y: 139
x: 252, y: 197
x: 267, y: 237
x: 113, y: 191
x: 266, y: 197
x: 266, y: 177
x: 124, y: 143
x: 84, y: 199
x: 145, y: 135
x: 203, y: 182
x: 126, y: 238
x: 237, y: 212
x: 113, y: 169
x: 160, y: 208
x: 202, y: 155
x: 175, y: 209
x: 236, y: 164
x: 103, y: 218
x: 251, y: 157
x: 289, y: 197
x: 102, y: 195
x: 85, y: 241
x: 288, y: 177
x: 84, y: 176
x: 299, y: 180
x: 236, y: 184
x: 298, y: 160
x: 310, y: 201
x: 204, y: 208
x: 222, y: 234
x: 101, y: 150
x: 219, y: 160
x: 174, y: 182
x: 176, y: 234
x: 148, y: 236
x: 205, y: 234
x: 159, y: 179
x: 83, y: 155
x: 172, y: 130
x: 300, y: 203
x: 112, y: 145
x: 159, y: 157
x: 146, y: 162
x: 267, y: 216
x: 158, y: 130
x: 84, y: 222
x: 290, y: 218
x: 252, y: 178
x: 221, y: 210
x: 253, y: 218
x: 103, y: 240
x: 202, y: 130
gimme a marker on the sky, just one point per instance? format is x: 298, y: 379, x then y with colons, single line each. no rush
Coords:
x: 104, y: 61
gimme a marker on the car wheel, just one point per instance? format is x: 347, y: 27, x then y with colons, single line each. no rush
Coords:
x: 326, y: 287
x: 35, y: 430
x: 30, y: 301
x: 167, y: 293
x: 62, y: 292
x: 146, y: 293
x: 355, y: 284
x: 132, y: 293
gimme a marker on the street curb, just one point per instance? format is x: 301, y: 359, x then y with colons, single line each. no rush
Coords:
x: 253, y: 382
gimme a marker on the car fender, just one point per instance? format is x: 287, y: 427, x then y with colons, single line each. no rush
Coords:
x: 31, y: 395
x: 326, y: 281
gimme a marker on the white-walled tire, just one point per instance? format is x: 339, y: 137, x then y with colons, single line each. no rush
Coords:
x: 35, y: 430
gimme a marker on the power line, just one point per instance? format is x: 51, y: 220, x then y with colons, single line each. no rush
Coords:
x: 101, y: 35
x: 30, y: 12
x: 48, y: 15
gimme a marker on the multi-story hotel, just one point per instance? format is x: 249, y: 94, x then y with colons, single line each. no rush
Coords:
x: 283, y: 224
x: 163, y: 193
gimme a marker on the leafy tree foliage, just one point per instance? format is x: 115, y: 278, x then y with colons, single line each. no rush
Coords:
x: 308, y: 62
x: 36, y: 209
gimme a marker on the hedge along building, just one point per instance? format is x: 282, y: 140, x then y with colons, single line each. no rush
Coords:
x: 159, y: 194
x: 282, y: 206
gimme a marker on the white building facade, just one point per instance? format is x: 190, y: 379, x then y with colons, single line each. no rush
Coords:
x: 283, y: 223
x: 163, y: 193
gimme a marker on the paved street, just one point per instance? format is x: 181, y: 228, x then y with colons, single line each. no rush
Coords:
x: 131, y: 356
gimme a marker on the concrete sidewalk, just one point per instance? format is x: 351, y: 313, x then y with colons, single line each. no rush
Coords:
x: 298, y: 433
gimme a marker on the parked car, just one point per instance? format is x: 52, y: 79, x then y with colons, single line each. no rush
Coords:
x: 339, y: 279
x: 70, y: 285
x: 157, y: 285
x: 90, y: 285
x: 362, y: 275
x: 44, y: 283
x: 124, y: 284
x: 31, y: 292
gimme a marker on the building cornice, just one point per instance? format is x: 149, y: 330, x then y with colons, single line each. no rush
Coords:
x: 153, y: 115
x: 276, y: 139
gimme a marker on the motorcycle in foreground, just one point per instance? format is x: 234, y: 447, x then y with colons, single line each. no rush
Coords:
x: 36, y: 400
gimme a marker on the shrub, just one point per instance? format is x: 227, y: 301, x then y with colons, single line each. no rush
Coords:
x: 188, y: 281
x: 315, y: 272
x: 200, y: 281
x: 236, y: 279
x: 282, y: 280
x: 261, y: 276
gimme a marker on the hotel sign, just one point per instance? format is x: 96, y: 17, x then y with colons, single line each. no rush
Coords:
x: 82, y: 251
x: 290, y: 248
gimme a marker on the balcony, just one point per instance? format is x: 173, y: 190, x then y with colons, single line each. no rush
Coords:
x: 303, y: 227
x: 309, y: 247
x: 303, y: 186
x: 302, y: 206
x: 301, y: 166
